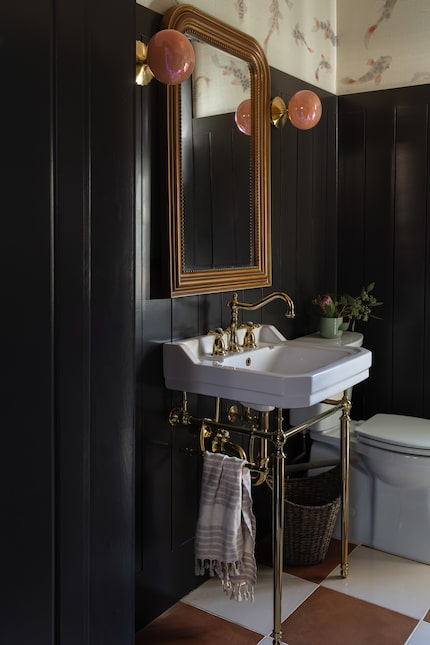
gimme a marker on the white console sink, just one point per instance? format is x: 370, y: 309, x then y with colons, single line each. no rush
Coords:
x: 278, y: 373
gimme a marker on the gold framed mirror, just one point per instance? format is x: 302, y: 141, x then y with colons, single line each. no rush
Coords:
x: 229, y: 219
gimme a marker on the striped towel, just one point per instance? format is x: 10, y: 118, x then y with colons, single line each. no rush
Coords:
x: 225, y: 534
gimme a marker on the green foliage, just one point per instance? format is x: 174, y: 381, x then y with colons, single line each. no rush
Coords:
x: 345, y: 306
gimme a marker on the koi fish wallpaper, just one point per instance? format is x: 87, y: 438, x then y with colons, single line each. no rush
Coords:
x: 342, y: 46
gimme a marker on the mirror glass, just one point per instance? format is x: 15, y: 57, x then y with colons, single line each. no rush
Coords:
x: 218, y: 177
x: 216, y: 160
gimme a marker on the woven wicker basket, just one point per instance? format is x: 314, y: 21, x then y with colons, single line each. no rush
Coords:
x: 311, y: 508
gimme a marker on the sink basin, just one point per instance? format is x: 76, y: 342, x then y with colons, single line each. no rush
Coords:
x: 278, y: 373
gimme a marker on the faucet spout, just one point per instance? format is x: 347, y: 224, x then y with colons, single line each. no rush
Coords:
x: 276, y: 295
x: 235, y: 305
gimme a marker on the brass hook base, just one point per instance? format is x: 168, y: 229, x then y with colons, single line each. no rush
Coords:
x: 143, y: 73
x: 278, y: 112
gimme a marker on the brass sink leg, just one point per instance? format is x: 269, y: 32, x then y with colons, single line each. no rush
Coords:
x: 278, y: 494
x: 344, y: 448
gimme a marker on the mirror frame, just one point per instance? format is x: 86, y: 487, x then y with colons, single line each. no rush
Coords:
x: 190, y: 20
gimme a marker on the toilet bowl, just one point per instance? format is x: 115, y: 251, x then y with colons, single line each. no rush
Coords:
x: 389, y: 479
x: 396, y: 452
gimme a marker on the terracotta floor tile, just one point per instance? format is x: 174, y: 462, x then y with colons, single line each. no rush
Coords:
x: 318, y: 572
x: 315, y: 573
x: 334, y: 618
x: 186, y: 624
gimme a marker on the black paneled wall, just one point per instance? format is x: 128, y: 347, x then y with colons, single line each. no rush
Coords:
x: 67, y: 204
x: 384, y: 235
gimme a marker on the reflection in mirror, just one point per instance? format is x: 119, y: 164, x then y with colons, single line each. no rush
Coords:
x: 219, y: 199
x: 216, y: 158
x: 220, y: 81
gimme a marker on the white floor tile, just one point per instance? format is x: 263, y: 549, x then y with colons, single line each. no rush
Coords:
x: 268, y: 640
x: 421, y: 636
x: 386, y: 580
x: 257, y: 616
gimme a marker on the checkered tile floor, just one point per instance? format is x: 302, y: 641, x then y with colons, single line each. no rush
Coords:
x: 385, y: 600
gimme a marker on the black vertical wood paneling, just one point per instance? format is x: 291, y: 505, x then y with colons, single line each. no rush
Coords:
x: 72, y: 257
x: 304, y: 217
x: 383, y: 236
x: 410, y: 188
x: 278, y: 218
x: 351, y: 208
x: 94, y: 299
x: 375, y: 258
x: 111, y: 56
x: 167, y: 499
x: 67, y: 200
x: 217, y: 225
x: 27, y: 413
x: 426, y: 354
x: 166, y: 476
x: 351, y: 202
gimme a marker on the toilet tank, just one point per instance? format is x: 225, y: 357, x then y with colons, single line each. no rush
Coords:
x: 299, y: 415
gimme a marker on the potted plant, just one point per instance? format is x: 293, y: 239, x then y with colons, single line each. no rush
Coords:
x: 339, y: 312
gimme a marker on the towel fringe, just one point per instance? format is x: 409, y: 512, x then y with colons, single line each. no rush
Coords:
x: 238, y: 590
x: 225, y: 570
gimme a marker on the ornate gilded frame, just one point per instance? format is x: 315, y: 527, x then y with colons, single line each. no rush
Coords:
x: 190, y: 20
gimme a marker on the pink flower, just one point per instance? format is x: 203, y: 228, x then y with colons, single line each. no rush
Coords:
x: 324, y: 302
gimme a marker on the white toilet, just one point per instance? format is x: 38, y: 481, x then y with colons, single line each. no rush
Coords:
x: 389, y: 475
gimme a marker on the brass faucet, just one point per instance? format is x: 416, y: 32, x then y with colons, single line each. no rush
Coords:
x: 235, y: 305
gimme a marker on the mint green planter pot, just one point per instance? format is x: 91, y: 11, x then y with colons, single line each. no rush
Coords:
x: 330, y: 327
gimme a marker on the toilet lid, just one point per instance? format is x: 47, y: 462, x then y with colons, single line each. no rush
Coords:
x: 397, y: 433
